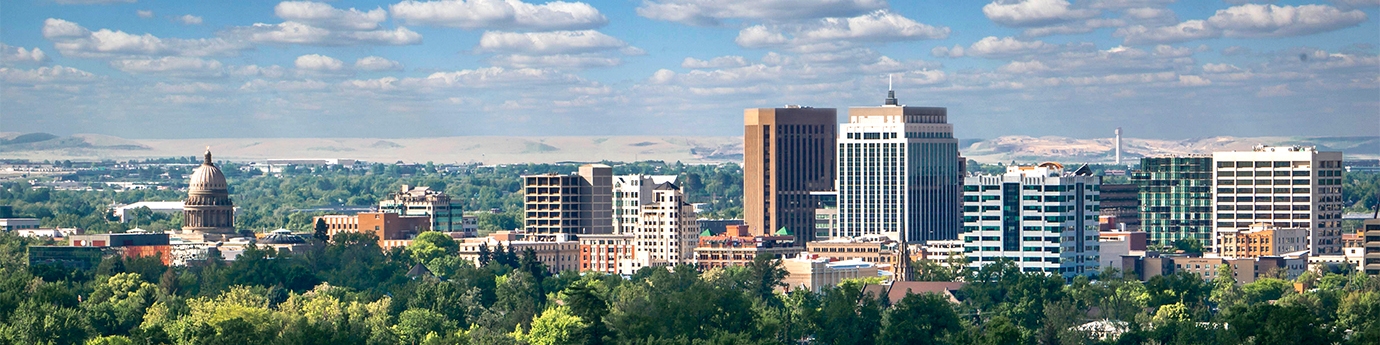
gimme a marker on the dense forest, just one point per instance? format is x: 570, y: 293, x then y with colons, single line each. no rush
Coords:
x: 269, y: 202
x: 349, y: 291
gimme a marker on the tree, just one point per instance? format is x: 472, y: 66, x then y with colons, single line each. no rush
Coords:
x: 919, y: 319
x: 1225, y: 292
x: 848, y: 316
x: 320, y: 233
x: 430, y: 245
x: 117, y: 305
x: 767, y: 275
x: 555, y: 326
x: 585, y: 302
x: 484, y: 255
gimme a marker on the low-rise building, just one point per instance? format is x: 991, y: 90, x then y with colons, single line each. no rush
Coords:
x: 392, y: 229
x: 1116, y: 246
x: 164, y: 207
x: 561, y: 253
x: 737, y: 247
x: 12, y: 224
x: 1261, y: 239
x: 878, y: 250
x: 943, y: 252
x: 129, y: 244
x: 814, y: 273
x: 612, y: 254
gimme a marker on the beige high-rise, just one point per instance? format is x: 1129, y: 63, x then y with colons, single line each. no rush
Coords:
x: 570, y: 204
x: 787, y: 153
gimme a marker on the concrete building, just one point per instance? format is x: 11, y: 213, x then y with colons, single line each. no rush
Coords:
x: 738, y: 247
x: 445, y: 215
x: 1120, y: 208
x: 826, y: 214
x: 1115, y: 246
x: 559, y: 252
x: 943, y: 252
x: 814, y: 273
x: 1288, y: 187
x: 667, y: 233
x: 880, y: 251
x: 13, y: 224
x: 1260, y: 240
x: 580, y: 203
x: 612, y: 254
x: 208, y: 213
x: 899, y: 174
x: 787, y: 153
x: 1041, y: 217
x: 1371, y: 255
x: 630, y: 192
x: 1175, y: 198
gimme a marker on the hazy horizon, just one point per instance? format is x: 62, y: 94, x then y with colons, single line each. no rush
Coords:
x: 1160, y: 69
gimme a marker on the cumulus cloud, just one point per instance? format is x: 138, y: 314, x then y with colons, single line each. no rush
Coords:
x: 146, y: 14
x: 11, y: 55
x: 1193, y: 80
x: 375, y: 63
x: 1281, y: 90
x: 72, y: 39
x: 44, y: 75
x: 493, y: 77
x: 711, y: 12
x: 189, y: 19
x: 548, y: 43
x: 718, y: 62
x: 1026, y: 13
x: 301, y: 33
x: 558, y: 61
x: 991, y: 46
x: 1249, y: 21
x: 838, y: 33
x: 318, y: 63
x: 170, y: 65
x: 499, y: 14
x: 326, y: 16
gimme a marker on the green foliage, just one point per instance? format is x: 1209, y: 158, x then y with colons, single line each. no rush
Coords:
x: 555, y: 326
x: 919, y: 319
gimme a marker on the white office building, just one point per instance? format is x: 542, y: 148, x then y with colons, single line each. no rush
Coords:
x: 1287, y: 187
x: 898, y: 174
x: 630, y: 192
x: 1040, y: 217
x: 667, y: 233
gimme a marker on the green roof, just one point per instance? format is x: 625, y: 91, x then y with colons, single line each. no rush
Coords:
x: 706, y: 233
x: 783, y: 232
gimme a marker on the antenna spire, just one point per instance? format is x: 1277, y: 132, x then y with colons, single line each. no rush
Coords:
x: 890, y: 93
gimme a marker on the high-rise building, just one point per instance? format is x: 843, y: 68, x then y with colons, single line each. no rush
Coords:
x: 580, y: 203
x: 1287, y: 187
x: 208, y: 211
x: 898, y: 174
x: 1040, y: 217
x: 1370, y: 239
x: 787, y: 153
x: 445, y: 215
x: 630, y: 192
x: 1120, y: 207
x: 667, y: 232
x: 1175, y: 198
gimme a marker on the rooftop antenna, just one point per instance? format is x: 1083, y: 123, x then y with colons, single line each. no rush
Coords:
x: 890, y: 93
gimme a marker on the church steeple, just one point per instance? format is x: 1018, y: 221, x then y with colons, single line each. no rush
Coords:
x: 890, y: 93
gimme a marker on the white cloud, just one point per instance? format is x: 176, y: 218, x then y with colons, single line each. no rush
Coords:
x: 718, y: 62
x: 184, y: 88
x: 189, y: 19
x: 560, y: 61
x: 318, y: 63
x: 1281, y: 90
x: 991, y: 46
x: 11, y: 55
x: 1193, y: 80
x: 326, y: 16
x: 1025, y: 13
x: 74, y: 40
x: 308, y: 85
x: 838, y: 33
x: 1220, y: 68
x: 44, y: 75
x: 273, y: 71
x: 146, y: 14
x: 711, y: 12
x: 301, y: 33
x: 1074, y: 27
x: 1023, y: 67
x: 495, y: 76
x: 1249, y: 20
x: 170, y: 65
x: 548, y: 43
x: 888, y: 65
x: 1255, y: 20
x: 1349, y: 4
x: 499, y: 14
x: 375, y: 63
x: 942, y: 51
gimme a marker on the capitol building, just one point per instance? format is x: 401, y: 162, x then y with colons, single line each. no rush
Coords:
x: 208, y: 214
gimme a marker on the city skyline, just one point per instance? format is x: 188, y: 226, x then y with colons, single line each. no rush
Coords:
x: 150, y: 69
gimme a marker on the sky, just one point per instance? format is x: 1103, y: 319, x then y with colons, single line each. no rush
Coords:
x: 394, y: 69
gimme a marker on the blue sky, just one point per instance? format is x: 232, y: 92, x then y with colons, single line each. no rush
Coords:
x: 1159, y: 68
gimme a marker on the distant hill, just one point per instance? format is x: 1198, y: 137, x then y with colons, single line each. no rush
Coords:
x: 503, y: 150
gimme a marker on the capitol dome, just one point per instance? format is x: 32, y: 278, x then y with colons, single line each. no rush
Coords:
x: 208, y: 209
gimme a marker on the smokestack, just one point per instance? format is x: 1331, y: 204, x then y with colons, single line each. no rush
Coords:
x: 1118, y: 146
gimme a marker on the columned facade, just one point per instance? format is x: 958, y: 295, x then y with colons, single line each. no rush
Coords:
x: 208, y: 209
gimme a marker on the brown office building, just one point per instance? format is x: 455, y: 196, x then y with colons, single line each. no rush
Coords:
x: 787, y: 153
x: 580, y: 203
